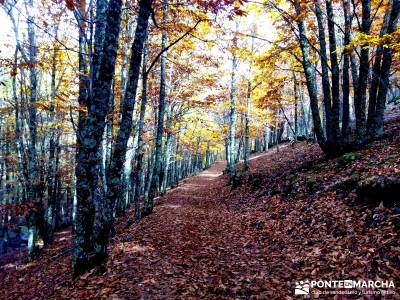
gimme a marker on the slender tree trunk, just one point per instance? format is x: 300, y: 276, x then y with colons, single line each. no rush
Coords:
x: 246, y: 151
x: 375, y: 78
x: 296, y: 104
x: 108, y: 143
x: 387, y: 57
x: 140, y: 150
x: 34, y: 216
x: 175, y: 178
x: 311, y: 84
x: 232, y: 113
x: 240, y: 143
x: 267, y: 133
x: 276, y: 130
x: 32, y: 106
x: 125, y: 56
x: 325, y: 73
x: 22, y: 176
x: 149, y: 175
x: 167, y: 150
x: 361, y: 96
x: 53, y: 144
x: 155, y: 181
x: 334, y: 73
x: 346, y: 67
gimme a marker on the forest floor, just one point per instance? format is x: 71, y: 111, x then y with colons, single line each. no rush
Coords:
x: 293, y: 216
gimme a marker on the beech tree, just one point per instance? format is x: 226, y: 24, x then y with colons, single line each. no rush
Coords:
x: 213, y: 82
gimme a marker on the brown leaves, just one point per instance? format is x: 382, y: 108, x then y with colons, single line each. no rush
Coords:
x: 207, y: 240
x: 70, y: 4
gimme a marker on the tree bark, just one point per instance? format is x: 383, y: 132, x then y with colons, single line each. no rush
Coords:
x: 361, y: 95
x: 246, y: 150
x: 89, y: 136
x: 375, y: 78
x: 115, y: 189
x: 346, y: 67
x: 325, y: 72
x: 387, y: 57
x: 155, y: 180
x: 232, y: 113
x: 167, y: 150
x: 296, y: 104
x: 140, y: 151
x: 310, y: 79
x: 52, y: 149
x: 334, y: 73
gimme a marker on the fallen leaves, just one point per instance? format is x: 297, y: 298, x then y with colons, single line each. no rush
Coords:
x: 207, y: 240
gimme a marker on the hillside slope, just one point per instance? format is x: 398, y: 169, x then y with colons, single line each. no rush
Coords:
x: 294, y: 216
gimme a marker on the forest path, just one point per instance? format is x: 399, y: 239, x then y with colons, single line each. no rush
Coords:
x: 192, y: 245
x: 206, y: 240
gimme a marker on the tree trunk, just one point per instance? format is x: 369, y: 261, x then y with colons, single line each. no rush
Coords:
x: 325, y: 73
x: 311, y: 84
x: 32, y: 173
x: 115, y: 189
x: 387, y: 57
x: 167, y: 151
x: 361, y: 95
x: 232, y: 113
x: 89, y: 136
x: 53, y: 144
x: 175, y: 178
x: 375, y: 78
x: 140, y: 151
x: 155, y: 181
x: 345, y: 77
x: 296, y: 104
x: 334, y: 73
x: 101, y: 10
x: 246, y: 151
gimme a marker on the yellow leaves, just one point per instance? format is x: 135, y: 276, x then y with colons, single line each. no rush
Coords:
x: 314, y: 59
x: 243, y: 53
x: 203, y: 28
x: 241, y: 109
x: 367, y: 40
x: 254, y: 8
x: 200, y: 131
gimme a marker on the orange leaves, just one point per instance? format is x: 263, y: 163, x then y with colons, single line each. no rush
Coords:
x: 15, y: 210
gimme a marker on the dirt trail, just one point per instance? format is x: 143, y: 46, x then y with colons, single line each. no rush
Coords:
x: 192, y: 245
x: 206, y: 240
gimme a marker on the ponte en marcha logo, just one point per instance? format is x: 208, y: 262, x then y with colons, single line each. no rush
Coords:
x: 306, y: 287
